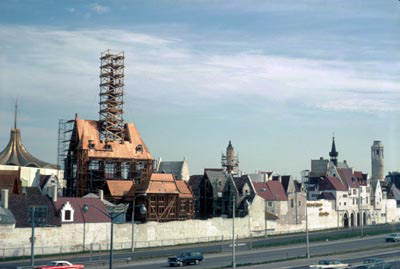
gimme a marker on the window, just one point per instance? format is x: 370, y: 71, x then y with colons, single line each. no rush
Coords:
x: 67, y: 215
x: 139, y: 148
x: 354, y: 201
x: 125, y: 170
x: 94, y: 165
x: 269, y: 204
x: 291, y: 203
x: 344, y: 203
x: 299, y: 203
x: 109, y: 170
x: 354, y: 191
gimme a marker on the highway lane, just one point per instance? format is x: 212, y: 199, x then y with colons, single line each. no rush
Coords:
x: 214, y: 247
x: 262, y: 255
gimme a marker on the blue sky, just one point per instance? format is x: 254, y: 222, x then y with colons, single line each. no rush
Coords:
x: 275, y: 77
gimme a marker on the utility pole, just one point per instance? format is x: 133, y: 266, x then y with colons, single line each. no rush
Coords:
x: 33, y: 238
x: 233, y: 232
x: 307, y: 238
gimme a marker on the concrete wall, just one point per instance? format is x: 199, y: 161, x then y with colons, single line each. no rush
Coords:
x: 71, y: 237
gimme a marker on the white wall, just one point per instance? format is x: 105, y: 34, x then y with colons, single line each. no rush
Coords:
x: 29, y: 174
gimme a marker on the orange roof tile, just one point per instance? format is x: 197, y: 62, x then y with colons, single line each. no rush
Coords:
x: 88, y: 131
x: 184, y: 190
x: 119, y: 187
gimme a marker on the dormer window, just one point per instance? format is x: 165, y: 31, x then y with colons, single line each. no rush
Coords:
x: 139, y: 148
x: 91, y: 146
x: 67, y: 213
x: 108, y: 147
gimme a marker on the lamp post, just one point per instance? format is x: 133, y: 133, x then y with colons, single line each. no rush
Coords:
x: 142, y: 211
x: 112, y: 216
x: 307, y: 237
x: 33, y: 237
x: 233, y: 232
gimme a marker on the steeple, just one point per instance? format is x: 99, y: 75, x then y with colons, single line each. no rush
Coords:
x: 333, y: 154
x: 16, y: 154
x: 15, y: 115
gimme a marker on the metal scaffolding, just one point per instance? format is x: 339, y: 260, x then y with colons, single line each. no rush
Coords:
x: 112, y: 96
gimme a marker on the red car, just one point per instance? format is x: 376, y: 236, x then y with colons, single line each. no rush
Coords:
x: 61, y: 265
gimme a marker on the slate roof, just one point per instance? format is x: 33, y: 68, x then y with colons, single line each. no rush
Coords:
x: 285, y: 182
x: 19, y: 205
x: 346, y: 174
x: 194, y: 182
x: 16, y: 154
x: 88, y: 130
x: 326, y: 195
x: 31, y: 191
x: 215, y: 176
x: 95, y: 213
x: 172, y: 168
x: 331, y: 183
x: 119, y: 188
x: 43, y: 180
x: 6, y: 216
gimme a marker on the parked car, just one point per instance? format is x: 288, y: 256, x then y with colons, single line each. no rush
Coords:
x: 185, y: 258
x: 374, y: 263
x: 328, y: 264
x: 395, y: 237
x: 61, y: 265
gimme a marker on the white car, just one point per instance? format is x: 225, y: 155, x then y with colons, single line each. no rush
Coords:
x: 393, y: 237
x: 328, y: 264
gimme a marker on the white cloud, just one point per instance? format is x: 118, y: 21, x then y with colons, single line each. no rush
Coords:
x: 52, y: 64
x: 100, y: 9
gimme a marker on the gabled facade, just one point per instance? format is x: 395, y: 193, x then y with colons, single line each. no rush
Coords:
x: 217, y: 191
x: 167, y: 199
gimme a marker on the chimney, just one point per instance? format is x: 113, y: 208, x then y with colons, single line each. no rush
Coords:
x: 54, y: 193
x: 101, y: 195
x: 4, y: 198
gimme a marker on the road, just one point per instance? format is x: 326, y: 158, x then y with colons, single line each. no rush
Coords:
x: 243, y: 255
x: 277, y: 253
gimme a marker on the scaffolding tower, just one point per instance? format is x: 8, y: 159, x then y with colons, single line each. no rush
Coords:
x: 64, y: 137
x: 112, y: 96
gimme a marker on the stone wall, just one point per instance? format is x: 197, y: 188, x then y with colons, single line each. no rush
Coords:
x: 71, y: 237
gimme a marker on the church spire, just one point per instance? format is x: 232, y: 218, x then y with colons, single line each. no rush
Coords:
x: 15, y: 114
x: 333, y: 154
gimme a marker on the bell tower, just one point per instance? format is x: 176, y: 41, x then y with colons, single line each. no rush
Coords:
x: 377, y: 161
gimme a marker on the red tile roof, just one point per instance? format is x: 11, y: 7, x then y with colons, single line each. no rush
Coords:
x: 96, y: 209
x: 119, y: 188
x: 271, y: 191
x: 346, y: 174
x: 332, y: 183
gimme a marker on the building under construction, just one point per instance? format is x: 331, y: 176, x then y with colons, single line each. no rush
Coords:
x: 109, y: 150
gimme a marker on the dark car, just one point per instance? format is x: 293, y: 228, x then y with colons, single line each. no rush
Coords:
x: 375, y: 263
x: 185, y: 258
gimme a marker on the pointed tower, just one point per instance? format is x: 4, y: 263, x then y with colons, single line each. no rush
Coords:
x: 230, y: 160
x: 333, y: 154
x: 16, y: 154
x: 377, y: 161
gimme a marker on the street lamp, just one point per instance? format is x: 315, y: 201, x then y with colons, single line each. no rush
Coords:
x: 142, y: 211
x: 233, y: 232
x: 112, y: 217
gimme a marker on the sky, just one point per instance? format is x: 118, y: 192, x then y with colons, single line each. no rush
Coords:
x: 277, y: 77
